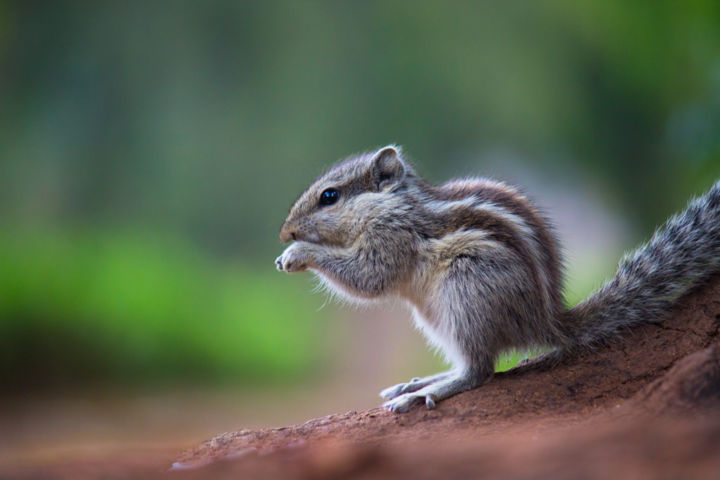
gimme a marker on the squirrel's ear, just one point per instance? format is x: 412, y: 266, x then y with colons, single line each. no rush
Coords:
x: 387, y: 168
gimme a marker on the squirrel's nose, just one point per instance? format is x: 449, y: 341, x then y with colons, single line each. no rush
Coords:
x: 288, y: 234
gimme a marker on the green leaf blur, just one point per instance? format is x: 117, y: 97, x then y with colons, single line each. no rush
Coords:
x: 149, y: 152
x: 126, y: 306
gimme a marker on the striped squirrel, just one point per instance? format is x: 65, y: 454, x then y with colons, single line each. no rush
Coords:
x: 479, y: 265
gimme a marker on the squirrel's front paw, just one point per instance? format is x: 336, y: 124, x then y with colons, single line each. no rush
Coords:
x: 293, y: 259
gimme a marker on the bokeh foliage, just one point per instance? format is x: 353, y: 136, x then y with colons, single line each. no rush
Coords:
x: 139, y: 308
x: 154, y: 147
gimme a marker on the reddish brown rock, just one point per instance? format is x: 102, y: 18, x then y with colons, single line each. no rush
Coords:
x: 603, y: 414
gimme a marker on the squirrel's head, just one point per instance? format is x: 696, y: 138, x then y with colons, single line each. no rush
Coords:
x: 332, y: 210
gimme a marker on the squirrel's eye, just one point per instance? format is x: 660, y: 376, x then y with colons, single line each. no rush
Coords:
x: 329, y: 196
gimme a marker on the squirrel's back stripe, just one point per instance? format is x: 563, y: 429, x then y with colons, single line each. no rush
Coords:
x: 512, y: 204
x: 497, y: 225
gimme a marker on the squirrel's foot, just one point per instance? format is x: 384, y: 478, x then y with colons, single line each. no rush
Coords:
x: 429, y: 395
x: 412, y: 386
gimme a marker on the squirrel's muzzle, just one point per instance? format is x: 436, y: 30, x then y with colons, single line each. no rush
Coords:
x: 288, y: 233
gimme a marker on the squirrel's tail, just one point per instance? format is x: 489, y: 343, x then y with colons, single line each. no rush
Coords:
x: 681, y: 254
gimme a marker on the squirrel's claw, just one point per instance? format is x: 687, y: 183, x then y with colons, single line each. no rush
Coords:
x: 403, y: 403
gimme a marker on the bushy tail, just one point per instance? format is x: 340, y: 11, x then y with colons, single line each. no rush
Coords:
x: 681, y: 255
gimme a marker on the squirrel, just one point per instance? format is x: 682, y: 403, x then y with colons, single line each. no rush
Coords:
x: 479, y: 266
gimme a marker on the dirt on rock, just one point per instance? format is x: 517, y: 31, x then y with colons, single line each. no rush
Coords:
x: 646, y: 406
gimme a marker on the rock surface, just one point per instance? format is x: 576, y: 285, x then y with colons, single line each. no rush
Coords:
x: 647, y: 406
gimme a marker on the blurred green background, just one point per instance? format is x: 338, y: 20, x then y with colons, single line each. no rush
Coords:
x: 149, y: 152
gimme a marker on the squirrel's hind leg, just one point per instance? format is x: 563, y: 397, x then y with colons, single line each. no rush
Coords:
x: 413, y: 385
x: 543, y: 361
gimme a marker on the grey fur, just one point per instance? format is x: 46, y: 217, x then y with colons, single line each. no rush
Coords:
x: 680, y: 255
x: 479, y: 266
